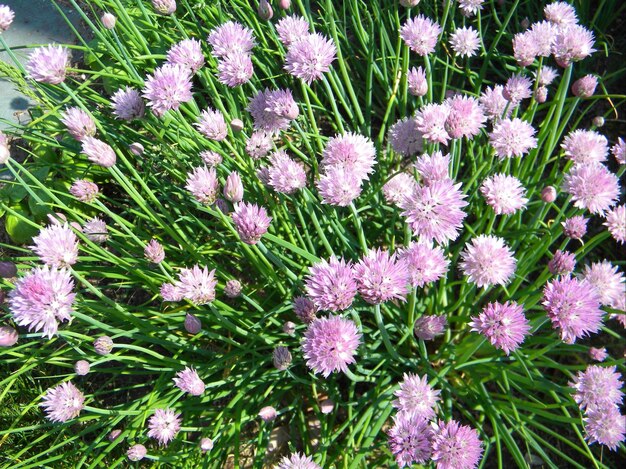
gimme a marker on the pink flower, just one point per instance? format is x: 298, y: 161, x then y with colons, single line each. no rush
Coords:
x: 619, y: 151
x: 268, y: 413
x: 187, y: 53
x: 273, y: 110
x: 286, y: 175
x: 154, y: 252
x: 96, y: 230
x: 503, y: 324
x: 548, y: 194
x: 598, y: 354
x: 305, y: 309
x: 465, y: 118
x: 170, y: 292
x: 259, y: 144
x: 607, y: 280
x: 429, y: 327
x: 235, y: 69
x: 399, y: 185
x: 487, y: 260
x: 416, y: 397
x: 597, y: 387
x: 291, y: 28
x: 465, y: 41
x: 330, y: 285
x: 230, y: 38
x: 494, y: 103
x: 503, y: 193
x: 405, y: 138
x: 410, y: 440
x: 351, y: 151
x: 470, y: 7
x: 63, y: 402
x: 542, y: 35
x: 433, y: 167
x: 616, y: 223
x: 420, y: 34
x: 48, y: 64
x: 188, y: 381
x: 517, y: 88
x: 164, y: 425
x: 592, y: 187
x: 297, y: 461
x: 233, y: 188
x: 164, y: 7
x: 79, y: 124
x: 585, y: 87
x: 546, y: 75
x: 380, y: 277
x: 251, y: 222
x: 562, y: 263
x: 56, y: 246
x: 585, y: 146
x: 212, y: 125
x: 211, y: 158
x: 431, y: 122
x: 572, y: 43
x: 560, y: 13
x: 167, y: 88
x: 309, y: 57
x: 203, y: 184
x: 197, y: 284
x: 136, y: 452
x: 339, y: 186
x: 426, y: 263
x: 605, y: 426
x: 455, y: 446
x: 417, y: 83
x: 98, y: 152
x: 6, y: 17
x: 232, y: 289
x: 512, y: 138
x: 575, y: 227
x: 127, y: 104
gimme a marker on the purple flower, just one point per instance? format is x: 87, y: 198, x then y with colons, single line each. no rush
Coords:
x: 517, y: 88
x: 85, y: 191
x: 339, y: 186
x: 230, y: 38
x: 399, y: 185
x: 455, y: 446
x: 416, y: 397
x: 168, y: 88
x: 512, y: 138
x: 351, y: 151
x: 291, y: 28
x: 597, y: 387
x: 572, y: 43
x: 297, y: 461
x: 197, y: 284
x: 503, y: 193
x: 562, y: 263
x: 164, y: 7
x: 6, y: 17
x: 405, y: 138
x: 487, y: 260
x: 309, y: 57
x: 233, y: 188
x: 43, y: 298
x: 187, y: 53
x: 431, y: 122
x: 560, y: 13
x: 585, y: 87
x: 410, y: 440
x: 575, y: 227
x: 592, y: 187
x: 331, y: 285
x: 503, y: 324
x: 573, y: 307
x: 235, y: 69
x: 188, y: 380
x: 429, y: 327
x: 608, y: 282
x: 251, y: 222
x: 154, y: 252
x: 203, y: 184
x: 79, y: 124
x: 435, y: 211
x: 465, y: 118
x: 616, y: 223
x: 305, y: 309
x: 272, y: 110
x: 585, y: 146
x: 98, y: 152
x: 212, y: 125
x: 329, y: 344
x: 417, y: 83
x: 56, y: 246
x: 164, y: 425
x: 465, y: 41
x: 425, y: 263
x: 63, y: 402
x: 605, y: 426
x: 48, y: 64
x: 598, y: 354
x: 285, y: 174
x: 433, y: 167
x: 494, y: 103
x: 619, y: 151
x: 420, y: 34
x: 281, y: 357
x: 136, y: 452
x: 380, y: 277
x: 127, y: 104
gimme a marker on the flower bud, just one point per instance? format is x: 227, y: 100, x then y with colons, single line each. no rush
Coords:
x: 206, y: 444
x: 164, y: 7
x: 598, y: 121
x: 548, y: 194
x: 192, y: 324
x: 7, y: 269
x: 281, y: 357
x: 233, y: 189
x: 284, y: 4
x: 417, y: 82
x: 267, y: 413
x: 236, y: 125
x: 103, y: 345
x: 232, y: 289
x: 289, y: 328
x: 8, y: 336
x: 525, y: 23
x: 409, y: 3
x: 114, y: 434
x: 136, y: 148
x: 136, y: 452
x: 585, y: 87
x: 265, y: 10
x: 108, y: 20
x: 82, y: 367
x: 327, y: 406
x: 541, y: 94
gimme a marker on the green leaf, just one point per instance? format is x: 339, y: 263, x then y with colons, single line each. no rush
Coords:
x: 20, y: 231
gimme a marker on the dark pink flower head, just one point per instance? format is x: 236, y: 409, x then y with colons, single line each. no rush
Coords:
x: 572, y: 43
x: 517, y: 88
x: 79, y: 124
x: 188, y: 381
x: 575, y: 227
x: 396, y: 188
x: 98, y: 152
x: 251, y: 222
x: 512, y: 137
x: 435, y: 211
x: 598, y: 387
x: 585, y: 87
x: 235, y: 69
x: 416, y: 397
x: 465, y: 118
x: 212, y: 125
x: 352, y: 151
x: 339, y: 186
x: 465, y: 41
x: 63, y: 402
x: 197, y: 284
x: 203, y: 184
x: 331, y: 285
x: 416, y: 81
x: 505, y: 194
x: 297, y: 461
x: 562, y: 263
x: 585, y: 146
x: 127, y: 104
x: 605, y: 426
x: 405, y: 138
x: 291, y: 28
x: 56, y: 245
x: 494, y: 104
x: 429, y: 327
x: 329, y: 344
x: 43, y: 298
x: 229, y: 38
x: 616, y: 223
x: 305, y: 309
x: 167, y: 88
x: 487, y: 260
x: 309, y: 57
x: 420, y: 34
x: 503, y: 324
x: 431, y: 122
x: 455, y: 446
x: 164, y: 425
x: 48, y: 64
x: 592, y: 187
x: 426, y: 263
x: 433, y: 167
x: 380, y: 277
x: 410, y: 440
x: 286, y: 175
x: 573, y: 307
x: 187, y: 53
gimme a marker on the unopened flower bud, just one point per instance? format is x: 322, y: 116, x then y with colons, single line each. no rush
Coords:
x: 284, y: 4
x: 136, y: 452
x: 289, y: 328
x: 525, y: 23
x: 108, y: 20
x: 548, y: 194
x: 236, y: 125
x: 82, y: 367
x: 541, y: 94
x: 103, y: 345
x: 598, y: 121
x: 7, y: 269
x: 409, y: 3
x: 585, y: 87
x: 267, y: 413
x: 233, y: 189
x: 8, y: 336
x: 327, y: 406
x: 232, y: 289
x: 164, y: 7
x: 114, y: 434
x: 265, y: 10
x: 136, y: 148
x: 192, y: 324
x: 281, y: 357
x: 206, y: 444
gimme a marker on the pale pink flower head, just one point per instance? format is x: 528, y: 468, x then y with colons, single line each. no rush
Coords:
x: 435, y: 211
x: 351, y: 151
x: 433, y: 167
x: 399, y: 185
x: 429, y: 327
x: 154, y: 252
x: 136, y: 452
x: 56, y: 245
x: 619, y: 151
x: 470, y: 7
x: 281, y: 103
x: 43, y: 298
x: 426, y: 263
x: 188, y: 381
x: 136, y: 148
x: 494, y: 104
x: 233, y: 188
x: 524, y: 48
x: 546, y: 75
x: 420, y: 34
x: 63, y: 402
x: 211, y: 158
x: 405, y: 138
x: 512, y: 137
x: 98, y: 152
x: 548, y: 194
x: 465, y: 118
x: 339, y: 186
x: 573, y: 307
x: 291, y: 28
x: 187, y: 53
x: 268, y: 413
x: 585, y: 87
x: 560, y: 13
x: 164, y: 425
x: 455, y: 446
x: 164, y: 7
x: 170, y: 292
x: 431, y: 122
x: 517, y: 88
x: 251, y: 222
x: 79, y: 124
x: 410, y: 440
x: 616, y: 223
x: 48, y: 64
x: 305, y: 309
x: 542, y: 34
x: 605, y: 426
x: 309, y: 57
x: 465, y: 41
x: 607, y: 280
x: 297, y: 461
x: 285, y: 174
x: 329, y: 344
x: 272, y: 110
x: 562, y: 263
x: 232, y: 289
x: 503, y: 193
x: 572, y: 43
x: 8, y: 336
x: 487, y: 260
x: 212, y: 125
x: 6, y: 17
x: 167, y: 88
x: 598, y: 387
x: 585, y: 146
x: 330, y: 285
x: 203, y: 184
x: 197, y: 284
x: 592, y: 187
x: 503, y: 324
x: 417, y: 82
x: 127, y: 104
x: 416, y: 397
x: 235, y: 69
x: 598, y: 354
x: 82, y: 367
x: 575, y: 227
x: 231, y: 38
x: 381, y: 277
